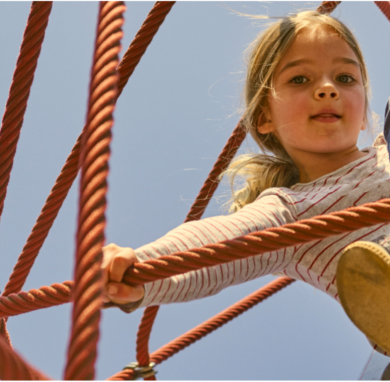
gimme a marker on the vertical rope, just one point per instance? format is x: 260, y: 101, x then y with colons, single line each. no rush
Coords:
x: 93, y: 188
x: 20, y: 90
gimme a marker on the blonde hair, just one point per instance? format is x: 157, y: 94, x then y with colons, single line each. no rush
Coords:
x: 262, y: 171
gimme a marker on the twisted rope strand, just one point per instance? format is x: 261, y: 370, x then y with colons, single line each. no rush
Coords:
x: 70, y: 170
x: 93, y: 188
x: 14, y: 367
x: 259, y: 242
x: 44, y: 297
x: 20, y: 90
x: 143, y: 335
x: 142, y: 40
x: 17, y: 99
x: 209, y: 325
x: 384, y: 6
x: 212, y: 181
x: 219, y: 320
x: 255, y: 243
x: 123, y: 375
x: 328, y: 6
x: 44, y: 222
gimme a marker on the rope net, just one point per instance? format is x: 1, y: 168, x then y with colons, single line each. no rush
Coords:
x: 91, y: 153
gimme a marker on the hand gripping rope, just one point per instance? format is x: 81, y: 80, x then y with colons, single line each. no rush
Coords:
x: 91, y: 153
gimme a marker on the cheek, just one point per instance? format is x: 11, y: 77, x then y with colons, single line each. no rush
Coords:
x: 355, y: 105
x: 287, y: 109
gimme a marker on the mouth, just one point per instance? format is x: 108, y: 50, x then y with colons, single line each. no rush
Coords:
x: 326, y: 117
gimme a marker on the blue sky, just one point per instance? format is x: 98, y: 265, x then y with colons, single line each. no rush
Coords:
x: 171, y: 122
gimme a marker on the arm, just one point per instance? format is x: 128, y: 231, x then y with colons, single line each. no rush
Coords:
x: 268, y: 211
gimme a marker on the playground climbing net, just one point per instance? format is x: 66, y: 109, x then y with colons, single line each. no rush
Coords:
x: 91, y: 154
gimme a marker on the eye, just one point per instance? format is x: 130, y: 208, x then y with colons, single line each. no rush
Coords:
x: 346, y: 79
x: 299, y: 80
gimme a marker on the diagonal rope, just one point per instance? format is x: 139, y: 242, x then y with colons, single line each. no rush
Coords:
x: 142, y: 40
x: 209, y: 325
x: 95, y: 153
x: 17, y: 99
x: 20, y: 90
x: 219, y: 320
x: 384, y: 6
x: 70, y: 170
x: 14, y: 367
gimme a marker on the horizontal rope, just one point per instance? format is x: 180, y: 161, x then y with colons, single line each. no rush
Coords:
x: 255, y: 243
x: 44, y: 297
x: 259, y: 242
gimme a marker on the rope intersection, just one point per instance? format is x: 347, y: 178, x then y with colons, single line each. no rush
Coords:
x: 91, y: 153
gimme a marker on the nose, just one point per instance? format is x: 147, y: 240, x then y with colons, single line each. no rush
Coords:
x: 326, y: 90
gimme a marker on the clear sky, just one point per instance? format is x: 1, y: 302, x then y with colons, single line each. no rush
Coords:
x: 171, y: 122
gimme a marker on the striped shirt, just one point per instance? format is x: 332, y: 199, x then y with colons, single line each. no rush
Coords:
x: 362, y: 181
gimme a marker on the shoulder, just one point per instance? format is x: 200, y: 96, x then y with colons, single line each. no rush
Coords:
x: 362, y: 181
x: 277, y: 199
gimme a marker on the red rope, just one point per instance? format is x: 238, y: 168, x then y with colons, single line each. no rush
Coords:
x: 17, y: 99
x: 212, y: 181
x: 255, y: 243
x: 93, y: 188
x: 20, y: 90
x: 14, y: 367
x: 69, y: 171
x: 123, y: 375
x: 328, y: 6
x: 44, y: 297
x: 143, y: 335
x: 259, y: 242
x: 210, y: 325
x: 384, y: 6
x: 142, y: 40
x: 219, y: 320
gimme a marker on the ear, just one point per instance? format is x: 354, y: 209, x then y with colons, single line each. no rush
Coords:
x: 264, y: 123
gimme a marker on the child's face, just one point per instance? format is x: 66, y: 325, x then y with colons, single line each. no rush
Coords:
x: 320, y: 100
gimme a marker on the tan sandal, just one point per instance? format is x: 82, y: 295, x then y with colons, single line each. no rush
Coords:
x: 363, y: 282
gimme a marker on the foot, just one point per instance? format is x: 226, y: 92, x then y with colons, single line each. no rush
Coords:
x: 363, y: 281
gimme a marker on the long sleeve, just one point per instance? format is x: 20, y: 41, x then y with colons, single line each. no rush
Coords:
x: 268, y: 211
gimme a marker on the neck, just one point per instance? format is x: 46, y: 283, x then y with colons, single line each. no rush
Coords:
x: 312, y: 166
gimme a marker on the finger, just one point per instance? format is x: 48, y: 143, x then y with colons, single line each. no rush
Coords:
x: 109, y: 252
x: 120, y: 293
x: 120, y: 263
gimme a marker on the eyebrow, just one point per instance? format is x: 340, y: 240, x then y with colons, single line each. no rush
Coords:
x: 344, y: 60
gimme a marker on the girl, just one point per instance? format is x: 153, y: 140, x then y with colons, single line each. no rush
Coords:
x: 307, y: 95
